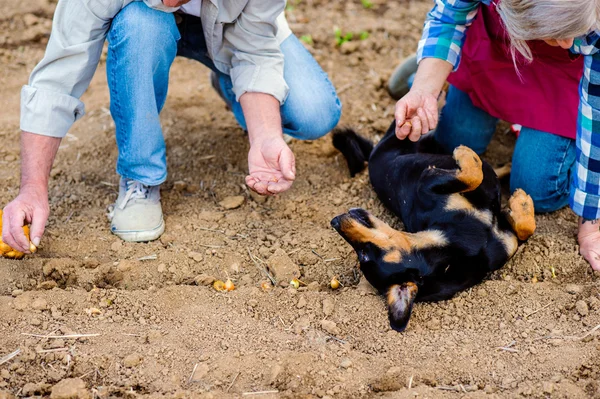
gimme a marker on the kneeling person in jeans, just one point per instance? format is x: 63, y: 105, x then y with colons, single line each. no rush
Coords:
x: 244, y: 43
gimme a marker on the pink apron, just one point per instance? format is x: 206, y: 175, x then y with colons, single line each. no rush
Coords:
x: 545, y: 97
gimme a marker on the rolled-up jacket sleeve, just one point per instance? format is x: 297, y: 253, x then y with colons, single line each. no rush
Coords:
x: 445, y: 28
x: 257, y: 60
x: 50, y: 102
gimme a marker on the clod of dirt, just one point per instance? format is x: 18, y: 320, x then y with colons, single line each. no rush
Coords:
x: 330, y: 327
x: 32, y: 389
x: 301, y: 302
x: 349, y: 47
x: 30, y: 19
x: 22, y: 302
x: 116, y: 246
x: 70, y: 388
x: 91, y: 263
x: 132, y: 360
x: 6, y: 395
x: 574, y: 289
x: 314, y: 286
x: 276, y: 371
x: 259, y: 199
x: 63, y: 271
x: 47, y: 285
x: 328, y: 306
x: 39, y: 304
x: 196, y: 256
x: 200, y: 372
x: 582, y: 308
x: 204, y: 279
x: 233, y: 202
x: 346, y: 363
x: 282, y: 267
x: 179, y: 186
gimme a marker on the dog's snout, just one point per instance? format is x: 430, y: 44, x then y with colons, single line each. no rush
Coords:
x: 361, y: 216
x: 336, y: 223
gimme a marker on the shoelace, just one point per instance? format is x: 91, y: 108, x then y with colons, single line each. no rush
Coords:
x: 135, y: 190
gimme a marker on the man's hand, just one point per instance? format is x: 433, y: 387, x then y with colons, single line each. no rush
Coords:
x: 30, y: 207
x: 589, y: 241
x: 271, y: 163
x: 416, y: 114
x: 272, y: 166
x: 175, y: 3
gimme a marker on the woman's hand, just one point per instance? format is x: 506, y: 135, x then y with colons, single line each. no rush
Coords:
x: 416, y: 114
x: 589, y: 241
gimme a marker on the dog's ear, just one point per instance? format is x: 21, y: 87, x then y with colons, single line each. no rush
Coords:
x: 400, y: 300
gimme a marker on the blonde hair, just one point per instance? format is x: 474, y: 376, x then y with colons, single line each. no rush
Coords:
x: 546, y: 19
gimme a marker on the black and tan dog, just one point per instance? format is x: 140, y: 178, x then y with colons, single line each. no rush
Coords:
x: 456, y: 232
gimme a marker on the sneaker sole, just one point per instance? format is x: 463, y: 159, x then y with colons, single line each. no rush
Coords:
x: 141, y: 236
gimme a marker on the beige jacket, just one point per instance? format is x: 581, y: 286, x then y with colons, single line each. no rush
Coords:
x: 242, y: 37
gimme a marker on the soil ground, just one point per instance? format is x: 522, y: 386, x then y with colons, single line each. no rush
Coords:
x: 162, y: 333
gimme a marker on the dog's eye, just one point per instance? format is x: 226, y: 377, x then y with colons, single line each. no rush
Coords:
x: 362, y: 256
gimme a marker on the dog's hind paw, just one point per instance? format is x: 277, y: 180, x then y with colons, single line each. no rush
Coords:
x: 521, y: 214
x: 470, y: 167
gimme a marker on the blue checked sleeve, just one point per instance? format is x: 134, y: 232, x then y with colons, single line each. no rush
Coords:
x: 585, y: 186
x: 445, y: 27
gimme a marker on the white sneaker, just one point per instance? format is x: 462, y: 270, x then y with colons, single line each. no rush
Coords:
x: 137, y: 214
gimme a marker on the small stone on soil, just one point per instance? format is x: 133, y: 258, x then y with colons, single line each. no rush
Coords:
x: 282, y: 267
x: 232, y: 202
x: 70, y: 388
x: 582, y: 308
x: 330, y: 327
x: 328, y: 306
x: 346, y: 363
x: 204, y: 279
x: 132, y: 360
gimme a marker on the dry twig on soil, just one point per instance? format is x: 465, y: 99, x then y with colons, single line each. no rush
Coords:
x: 9, y: 356
x: 70, y: 336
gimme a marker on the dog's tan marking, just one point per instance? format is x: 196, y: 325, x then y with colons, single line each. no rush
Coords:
x: 509, y: 241
x: 470, y: 171
x: 392, y: 241
x: 521, y: 215
x: 457, y: 202
x: 503, y: 171
x: 393, y: 256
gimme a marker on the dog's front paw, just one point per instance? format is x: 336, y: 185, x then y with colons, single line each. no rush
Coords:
x: 521, y: 214
x: 470, y: 167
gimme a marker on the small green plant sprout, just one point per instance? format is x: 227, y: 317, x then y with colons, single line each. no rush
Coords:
x: 292, y: 4
x: 341, y: 38
x: 367, y: 4
x: 363, y: 35
x: 307, y: 39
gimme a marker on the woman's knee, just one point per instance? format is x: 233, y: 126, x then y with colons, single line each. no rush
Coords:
x: 313, y: 118
x: 462, y: 123
x: 542, y: 166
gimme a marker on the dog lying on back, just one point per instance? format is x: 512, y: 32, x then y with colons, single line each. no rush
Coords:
x: 455, y: 231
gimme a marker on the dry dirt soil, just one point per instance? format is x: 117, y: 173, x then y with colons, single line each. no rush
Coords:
x: 159, y: 331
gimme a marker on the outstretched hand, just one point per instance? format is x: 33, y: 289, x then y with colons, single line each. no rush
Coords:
x: 416, y: 114
x: 589, y: 241
x: 271, y: 165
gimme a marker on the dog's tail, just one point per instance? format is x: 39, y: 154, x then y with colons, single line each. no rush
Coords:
x: 354, y: 148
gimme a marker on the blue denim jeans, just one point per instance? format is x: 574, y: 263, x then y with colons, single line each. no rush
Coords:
x: 542, y: 163
x: 142, y: 46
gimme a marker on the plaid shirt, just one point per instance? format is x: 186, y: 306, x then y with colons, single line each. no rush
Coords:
x: 443, y: 38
